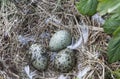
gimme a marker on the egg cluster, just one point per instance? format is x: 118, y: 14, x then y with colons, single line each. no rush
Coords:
x: 64, y: 60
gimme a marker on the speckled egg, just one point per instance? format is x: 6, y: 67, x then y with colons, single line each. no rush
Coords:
x: 38, y: 57
x: 64, y: 60
x: 60, y: 40
x: 40, y: 63
x: 36, y: 50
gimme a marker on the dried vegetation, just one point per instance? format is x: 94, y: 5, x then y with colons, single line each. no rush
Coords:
x: 24, y: 22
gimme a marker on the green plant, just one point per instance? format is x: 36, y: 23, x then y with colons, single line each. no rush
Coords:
x: 87, y: 7
x: 116, y: 73
x: 111, y: 25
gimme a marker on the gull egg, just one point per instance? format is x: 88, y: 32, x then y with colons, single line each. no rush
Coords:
x: 64, y: 60
x: 60, y: 40
x: 38, y: 57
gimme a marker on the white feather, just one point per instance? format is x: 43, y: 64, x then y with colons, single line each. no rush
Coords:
x: 29, y: 74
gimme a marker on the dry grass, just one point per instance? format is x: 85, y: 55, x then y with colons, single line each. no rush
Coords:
x: 34, y: 21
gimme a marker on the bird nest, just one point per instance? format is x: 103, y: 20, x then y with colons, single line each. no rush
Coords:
x: 26, y: 22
